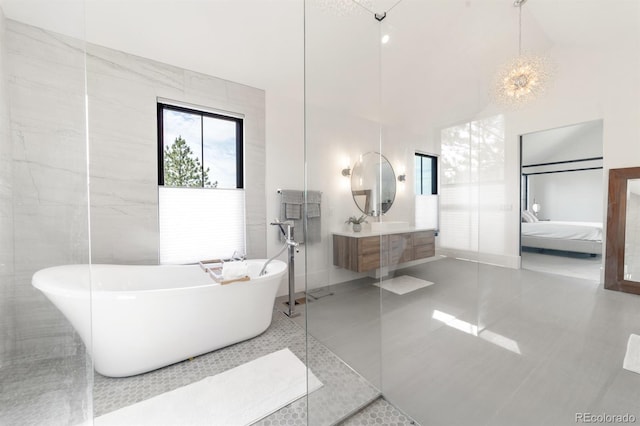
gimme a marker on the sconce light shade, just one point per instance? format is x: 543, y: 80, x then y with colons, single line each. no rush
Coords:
x: 346, y: 172
x: 535, y: 207
x: 402, y: 177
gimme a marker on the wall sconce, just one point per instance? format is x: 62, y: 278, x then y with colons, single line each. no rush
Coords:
x: 346, y: 172
x: 402, y: 177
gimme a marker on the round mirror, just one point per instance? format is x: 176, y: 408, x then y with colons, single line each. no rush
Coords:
x: 373, y: 184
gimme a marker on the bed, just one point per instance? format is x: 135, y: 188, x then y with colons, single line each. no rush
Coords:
x: 581, y: 237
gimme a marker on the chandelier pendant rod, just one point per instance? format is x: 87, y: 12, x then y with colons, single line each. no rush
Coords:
x: 520, y: 29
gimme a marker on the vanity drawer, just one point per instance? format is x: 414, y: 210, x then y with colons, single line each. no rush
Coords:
x: 400, y: 248
x: 422, y: 238
x: 424, y: 251
x: 345, y: 252
x: 400, y: 241
x: 368, y: 262
x: 369, y: 245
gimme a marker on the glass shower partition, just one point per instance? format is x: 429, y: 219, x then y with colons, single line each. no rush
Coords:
x: 45, y: 369
x: 342, y: 98
x: 430, y: 284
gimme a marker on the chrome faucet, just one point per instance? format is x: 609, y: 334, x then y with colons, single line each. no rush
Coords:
x: 288, y: 241
x: 292, y: 245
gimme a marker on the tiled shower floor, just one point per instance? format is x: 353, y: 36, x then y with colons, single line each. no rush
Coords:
x: 344, y: 391
x: 379, y: 412
x: 25, y: 403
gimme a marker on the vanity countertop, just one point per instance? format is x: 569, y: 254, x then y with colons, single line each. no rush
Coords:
x: 370, y: 233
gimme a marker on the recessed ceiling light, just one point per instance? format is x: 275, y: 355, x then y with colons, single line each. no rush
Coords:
x: 385, y: 39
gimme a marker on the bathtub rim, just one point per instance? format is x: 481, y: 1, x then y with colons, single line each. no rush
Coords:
x: 38, y: 282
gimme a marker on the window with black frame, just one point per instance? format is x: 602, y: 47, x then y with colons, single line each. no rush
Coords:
x: 426, y: 167
x: 198, y: 149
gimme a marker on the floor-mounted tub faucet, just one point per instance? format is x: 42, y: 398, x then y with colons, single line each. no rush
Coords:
x: 292, y: 245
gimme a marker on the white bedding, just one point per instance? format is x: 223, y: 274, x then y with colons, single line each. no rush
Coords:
x: 591, y: 231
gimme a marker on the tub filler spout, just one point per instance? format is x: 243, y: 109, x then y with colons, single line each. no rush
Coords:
x: 292, y: 245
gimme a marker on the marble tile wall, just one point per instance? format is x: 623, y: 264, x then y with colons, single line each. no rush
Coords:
x: 48, y: 183
x: 123, y: 90
x: 6, y: 203
x: 43, y: 214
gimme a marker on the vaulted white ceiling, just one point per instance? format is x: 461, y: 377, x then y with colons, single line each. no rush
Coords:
x: 577, y: 141
x: 439, y: 49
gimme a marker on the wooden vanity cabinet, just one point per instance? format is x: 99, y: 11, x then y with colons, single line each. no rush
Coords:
x: 361, y: 254
x: 424, y: 245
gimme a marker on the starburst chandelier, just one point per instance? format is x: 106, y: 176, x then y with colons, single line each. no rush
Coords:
x: 524, y: 78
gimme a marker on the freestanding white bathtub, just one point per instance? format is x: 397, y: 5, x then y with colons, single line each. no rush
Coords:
x: 135, y: 319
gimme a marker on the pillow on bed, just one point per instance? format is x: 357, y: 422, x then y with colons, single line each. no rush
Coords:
x: 529, y: 217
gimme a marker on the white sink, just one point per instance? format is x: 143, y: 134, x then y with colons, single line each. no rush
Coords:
x: 388, y: 226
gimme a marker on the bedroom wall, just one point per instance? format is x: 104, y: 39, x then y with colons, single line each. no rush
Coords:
x: 574, y: 196
x: 568, y: 196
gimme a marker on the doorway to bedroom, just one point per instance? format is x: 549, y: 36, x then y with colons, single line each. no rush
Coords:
x: 562, y: 200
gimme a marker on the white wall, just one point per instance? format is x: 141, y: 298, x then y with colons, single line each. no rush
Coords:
x: 568, y: 196
x: 574, y: 196
x: 284, y: 169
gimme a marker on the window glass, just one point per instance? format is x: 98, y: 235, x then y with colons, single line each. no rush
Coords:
x: 182, y: 149
x: 426, y: 169
x: 220, y: 152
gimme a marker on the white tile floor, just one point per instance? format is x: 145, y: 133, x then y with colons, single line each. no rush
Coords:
x: 486, y: 345
x: 577, y: 265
